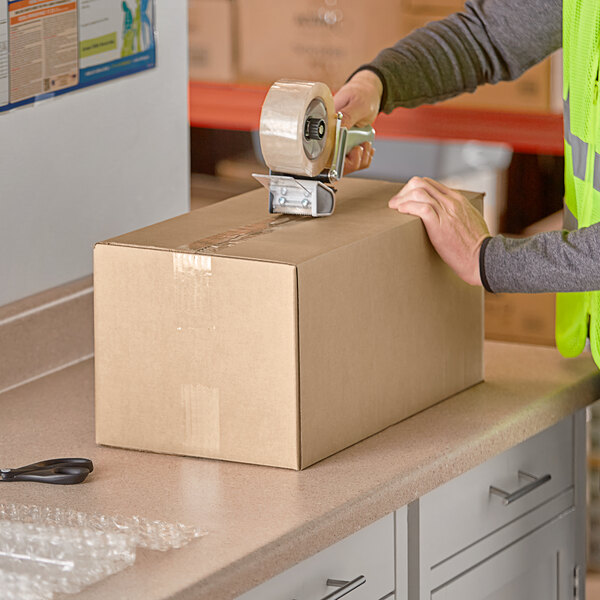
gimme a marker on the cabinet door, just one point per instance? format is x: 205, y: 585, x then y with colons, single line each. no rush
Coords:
x: 368, y: 554
x: 538, y: 567
x: 463, y: 511
x: 401, y: 519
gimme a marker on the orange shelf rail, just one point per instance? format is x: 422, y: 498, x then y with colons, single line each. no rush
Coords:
x: 237, y: 107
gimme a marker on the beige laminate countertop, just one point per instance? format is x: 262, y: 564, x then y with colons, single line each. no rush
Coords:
x: 262, y: 520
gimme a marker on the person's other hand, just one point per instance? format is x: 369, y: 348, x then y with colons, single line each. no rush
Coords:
x: 358, y: 100
x: 455, y: 227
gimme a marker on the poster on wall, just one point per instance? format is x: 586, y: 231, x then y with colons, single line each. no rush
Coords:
x: 52, y: 47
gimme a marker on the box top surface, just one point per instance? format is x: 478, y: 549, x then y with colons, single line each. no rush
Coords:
x: 242, y: 227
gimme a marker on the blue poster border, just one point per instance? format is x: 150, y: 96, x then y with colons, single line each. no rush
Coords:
x: 90, y: 76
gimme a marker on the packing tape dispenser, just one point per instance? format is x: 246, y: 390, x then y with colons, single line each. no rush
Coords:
x: 304, y: 145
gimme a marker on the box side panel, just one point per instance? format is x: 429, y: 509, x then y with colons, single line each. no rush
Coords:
x: 386, y: 330
x: 196, y: 355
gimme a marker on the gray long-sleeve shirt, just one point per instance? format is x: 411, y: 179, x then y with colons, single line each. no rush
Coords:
x: 491, y: 41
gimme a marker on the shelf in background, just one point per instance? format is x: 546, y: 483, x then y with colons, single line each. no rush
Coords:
x: 237, y: 107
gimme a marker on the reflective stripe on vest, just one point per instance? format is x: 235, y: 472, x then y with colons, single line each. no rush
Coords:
x: 579, y: 148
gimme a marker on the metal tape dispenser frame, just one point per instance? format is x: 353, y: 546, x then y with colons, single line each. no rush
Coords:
x: 304, y: 146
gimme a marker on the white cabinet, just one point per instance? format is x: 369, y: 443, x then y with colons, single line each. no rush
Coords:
x: 462, y: 541
x: 362, y: 563
x: 508, y: 529
x: 463, y: 511
x: 536, y: 567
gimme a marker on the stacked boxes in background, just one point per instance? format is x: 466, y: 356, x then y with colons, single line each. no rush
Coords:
x: 212, y: 40
x: 318, y: 40
x: 521, y: 318
x: 260, y: 41
x: 442, y: 7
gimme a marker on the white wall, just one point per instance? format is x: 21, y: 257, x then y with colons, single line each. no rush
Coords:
x: 93, y: 164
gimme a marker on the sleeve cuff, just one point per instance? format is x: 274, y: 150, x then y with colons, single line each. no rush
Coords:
x: 482, y: 274
x: 381, y: 78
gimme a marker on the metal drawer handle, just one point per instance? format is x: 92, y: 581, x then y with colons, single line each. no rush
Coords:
x: 534, y: 483
x: 345, y: 587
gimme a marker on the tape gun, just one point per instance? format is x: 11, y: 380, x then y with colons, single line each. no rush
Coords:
x: 304, y: 145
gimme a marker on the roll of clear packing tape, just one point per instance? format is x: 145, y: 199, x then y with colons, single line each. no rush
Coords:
x: 297, y: 127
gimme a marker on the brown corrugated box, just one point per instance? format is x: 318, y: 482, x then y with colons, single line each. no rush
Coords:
x: 234, y: 334
x: 433, y: 6
x: 211, y: 40
x: 522, y: 318
x: 313, y: 40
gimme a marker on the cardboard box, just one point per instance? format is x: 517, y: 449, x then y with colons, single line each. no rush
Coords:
x: 444, y: 7
x: 556, y: 82
x: 313, y: 40
x: 234, y: 334
x: 211, y: 40
x: 522, y: 318
x: 530, y: 92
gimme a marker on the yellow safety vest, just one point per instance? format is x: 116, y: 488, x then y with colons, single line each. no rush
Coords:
x: 577, y: 312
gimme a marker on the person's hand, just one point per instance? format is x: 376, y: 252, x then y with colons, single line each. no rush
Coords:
x: 455, y: 227
x: 358, y: 100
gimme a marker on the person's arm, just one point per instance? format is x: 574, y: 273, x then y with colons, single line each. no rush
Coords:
x: 490, y: 41
x: 554, y: 261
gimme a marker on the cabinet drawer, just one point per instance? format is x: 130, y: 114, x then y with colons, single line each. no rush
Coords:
x: 369, y: 552
x: 537, y: 567
x: 464, y: 510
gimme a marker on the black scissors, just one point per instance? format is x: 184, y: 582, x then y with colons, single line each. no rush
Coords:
x: 61, y: 471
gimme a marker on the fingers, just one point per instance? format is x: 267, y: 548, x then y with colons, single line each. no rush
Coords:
x: 426, y: 211
x: 446, y: 197
x: 358, y: 100
x: 358, y: 158
x: 419, y: 202
x: 343, y: 102
x: 348, y: 120
x: 351, y: 107
x: 341, y: 99
x: 352, y: 116
x: 442, y: 188
x: 455, y: 228
x: 425, y: 183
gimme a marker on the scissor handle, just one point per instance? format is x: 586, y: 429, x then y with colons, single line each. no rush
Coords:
x: 84, y: 463
x: 61, y: 471
x: 55, y: 475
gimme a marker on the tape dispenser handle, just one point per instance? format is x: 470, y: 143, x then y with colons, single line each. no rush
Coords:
x: 359, y: 135
x: 345, y: 140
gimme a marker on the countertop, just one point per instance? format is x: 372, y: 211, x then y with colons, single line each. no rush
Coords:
x: 262, y: 520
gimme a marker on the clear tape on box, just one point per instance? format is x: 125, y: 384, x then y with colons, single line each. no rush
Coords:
x: 45, y: 550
